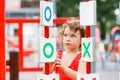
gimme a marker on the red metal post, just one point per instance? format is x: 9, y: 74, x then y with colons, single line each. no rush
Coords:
x: 46, y: 32
x: 46, y: 35
x: 20, y: 40
x: 88, y: 64
x: 2, y: 40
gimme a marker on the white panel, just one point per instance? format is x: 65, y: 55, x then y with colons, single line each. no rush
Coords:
x: 88, y: 49
x: 88, y: 13
x: 46, y: 13
x: 47, y: 49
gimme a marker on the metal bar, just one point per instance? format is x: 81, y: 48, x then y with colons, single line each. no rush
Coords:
x: 2, y: 40
x: 58, y: 20
x: 20, y: 36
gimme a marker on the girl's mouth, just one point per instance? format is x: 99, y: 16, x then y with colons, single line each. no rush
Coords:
x: 67, y: 43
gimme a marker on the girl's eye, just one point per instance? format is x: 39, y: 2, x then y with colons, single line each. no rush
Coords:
x: 65, y: 34
x: 73, y: 36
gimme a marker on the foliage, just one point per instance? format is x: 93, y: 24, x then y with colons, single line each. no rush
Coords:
x: 105, y: 15
x: 105, y: 12
x: 67, y: 8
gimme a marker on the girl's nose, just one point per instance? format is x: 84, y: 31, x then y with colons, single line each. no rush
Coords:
x: 67, y: 38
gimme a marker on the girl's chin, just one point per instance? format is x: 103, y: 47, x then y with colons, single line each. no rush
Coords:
x: 67, y: 47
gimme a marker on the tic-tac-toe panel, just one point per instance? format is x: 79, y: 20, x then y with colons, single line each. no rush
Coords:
x: 46, y: 13
x: 47, y: 49
x: 88, y: 48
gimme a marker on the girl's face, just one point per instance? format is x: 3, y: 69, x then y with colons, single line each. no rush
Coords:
x: 71, y: 39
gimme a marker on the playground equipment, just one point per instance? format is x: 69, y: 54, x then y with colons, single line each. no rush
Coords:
x: 20, y: 22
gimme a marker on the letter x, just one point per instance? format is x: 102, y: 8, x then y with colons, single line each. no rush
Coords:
x: 86, y: 49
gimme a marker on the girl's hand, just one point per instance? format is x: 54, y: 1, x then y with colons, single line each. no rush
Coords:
x: 58, y: 63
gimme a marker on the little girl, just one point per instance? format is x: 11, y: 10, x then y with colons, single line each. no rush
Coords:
x: 68, y: 62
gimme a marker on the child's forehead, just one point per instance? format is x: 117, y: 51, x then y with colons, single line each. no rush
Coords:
x: 71, y: 28
x: 68, y: 29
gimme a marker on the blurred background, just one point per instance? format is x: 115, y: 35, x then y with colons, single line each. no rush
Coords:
x: 107, y: 33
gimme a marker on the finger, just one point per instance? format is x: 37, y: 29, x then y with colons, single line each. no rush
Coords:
x: 58, y: 63
x: 58, y: 60
x: 57, y: 56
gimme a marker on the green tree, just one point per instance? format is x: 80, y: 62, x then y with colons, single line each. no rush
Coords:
x: 105, y: 12
x: 67, y: 8
x: 105, y: 15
